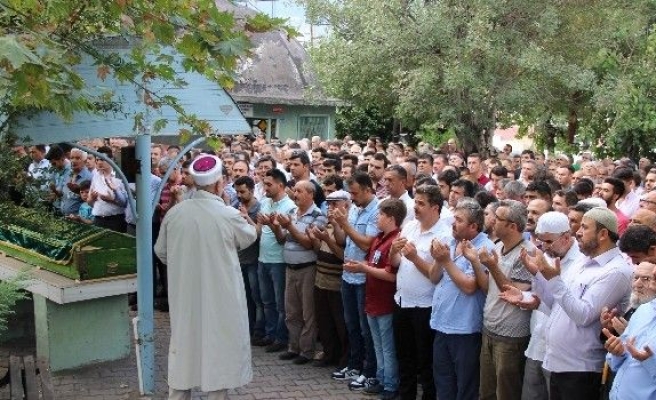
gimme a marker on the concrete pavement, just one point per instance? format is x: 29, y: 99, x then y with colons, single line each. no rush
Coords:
x: 117, y: 380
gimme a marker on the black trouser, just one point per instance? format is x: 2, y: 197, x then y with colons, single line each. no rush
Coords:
x: 329, y: 312
x: 113, y: 222
x: 414, y: 350
x: 574, y: 385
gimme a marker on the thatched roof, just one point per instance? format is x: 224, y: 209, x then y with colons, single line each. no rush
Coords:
x: 277, y: 72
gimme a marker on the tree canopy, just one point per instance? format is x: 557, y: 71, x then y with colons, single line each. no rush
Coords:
x: 469, y: 67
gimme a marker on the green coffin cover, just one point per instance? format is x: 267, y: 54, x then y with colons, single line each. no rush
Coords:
x: 60, y: 245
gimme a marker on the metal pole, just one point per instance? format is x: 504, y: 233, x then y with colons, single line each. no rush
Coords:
x: 144, y: 214
x: 174, y: 165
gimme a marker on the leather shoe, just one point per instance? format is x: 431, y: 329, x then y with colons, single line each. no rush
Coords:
x: 322, y: 363
x: 300, y: 360
x: 261, y: 342
x: 288, y: 355
x: 275, y: 347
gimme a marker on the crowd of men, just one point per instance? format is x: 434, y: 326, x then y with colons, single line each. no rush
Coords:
x: 512, y: 276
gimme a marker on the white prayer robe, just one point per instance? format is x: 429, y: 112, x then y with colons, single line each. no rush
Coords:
x: 210, y: 343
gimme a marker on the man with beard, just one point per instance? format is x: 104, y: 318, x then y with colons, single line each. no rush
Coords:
x: 642, y: 292
x: 376, y: 171
x: 554, y: 239
x: 611, y: 190
x: 630, y: 355
x: 574, y: 356
x: 506, y: 329
x: 457, y: 315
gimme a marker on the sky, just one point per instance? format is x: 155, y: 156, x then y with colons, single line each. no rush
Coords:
x: 294, y: 12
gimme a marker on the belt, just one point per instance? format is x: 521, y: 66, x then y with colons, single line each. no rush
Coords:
x: 300, y: 266
x: 121, y: 216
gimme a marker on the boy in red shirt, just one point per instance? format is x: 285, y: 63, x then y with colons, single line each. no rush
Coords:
x: 379, y: 300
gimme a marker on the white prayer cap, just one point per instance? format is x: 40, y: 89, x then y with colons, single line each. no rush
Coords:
x: 552, y: 222
x: 594, y: 202
x: 338, y: 195
x: 206, y: 170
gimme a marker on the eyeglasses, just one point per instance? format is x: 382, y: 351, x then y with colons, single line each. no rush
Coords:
x: 642, y: 278
x: 548, y: 243
x: 647, y: 201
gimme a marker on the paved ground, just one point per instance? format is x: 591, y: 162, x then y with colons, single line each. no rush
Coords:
x: 273, y: 379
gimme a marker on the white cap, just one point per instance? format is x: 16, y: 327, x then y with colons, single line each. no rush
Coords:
x: 594, y: 202
x: 552, y: 222
x: 206, y: 169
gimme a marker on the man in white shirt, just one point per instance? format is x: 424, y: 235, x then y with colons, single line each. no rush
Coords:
x: 553, y: 237
x: 574, y: 355
x: 395, y: 179
x: 414, y: 292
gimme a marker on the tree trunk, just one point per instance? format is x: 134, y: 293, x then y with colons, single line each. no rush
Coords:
x: 572, y: 126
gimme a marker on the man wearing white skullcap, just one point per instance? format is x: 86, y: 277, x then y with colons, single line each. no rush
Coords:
x: 552, y: 234
x: 199, y: 240
x: 574, y: 355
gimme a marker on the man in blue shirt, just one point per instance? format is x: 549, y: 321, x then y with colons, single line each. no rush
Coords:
x: 272, y: 266
x: 358, y: 226
x: 70, y: 198
x: 457, y: 314
x: 631, y: 354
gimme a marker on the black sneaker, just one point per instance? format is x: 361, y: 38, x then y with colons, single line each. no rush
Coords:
x: 288, y: 355
x: 345, y: 374
x: 362, y: 383
x: 373, y: 390
x: 275, y: 347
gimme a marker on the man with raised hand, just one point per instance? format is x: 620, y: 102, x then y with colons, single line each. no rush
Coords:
x: 457, y: 315
x: 631, y: 354
x: 574, y: 356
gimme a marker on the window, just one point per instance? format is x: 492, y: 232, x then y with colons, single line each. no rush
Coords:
x: 313, y: 126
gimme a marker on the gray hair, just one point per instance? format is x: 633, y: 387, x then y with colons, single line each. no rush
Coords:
x: 475, y: 214
x: 517, y: 213
x: 82, y: 153
x: 514, y: 190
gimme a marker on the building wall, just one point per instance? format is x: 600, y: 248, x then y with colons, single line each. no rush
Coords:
x: 292, y: 122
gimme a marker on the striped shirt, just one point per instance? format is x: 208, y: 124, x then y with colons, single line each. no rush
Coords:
x: 293, y: 251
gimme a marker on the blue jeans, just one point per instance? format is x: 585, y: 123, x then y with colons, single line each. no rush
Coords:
x: 256, y: 308
x: 382, y: 334
x: 456, y: 368
x: 361, y: 348
x: 272, y: 290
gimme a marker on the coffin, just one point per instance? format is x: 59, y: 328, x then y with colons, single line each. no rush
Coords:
x: 72, y: 249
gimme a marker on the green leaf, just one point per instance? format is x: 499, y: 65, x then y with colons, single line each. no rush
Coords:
x: 214, y: 143
x: 185, y: 136
x: 15, y: 53
x: 159, y: 124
